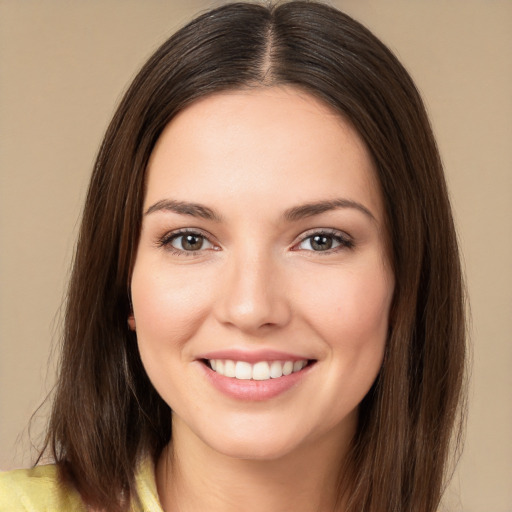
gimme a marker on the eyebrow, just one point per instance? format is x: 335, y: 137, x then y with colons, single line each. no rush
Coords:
x: 311, y: 209
x: 292, y: 214
x: 184, y: 208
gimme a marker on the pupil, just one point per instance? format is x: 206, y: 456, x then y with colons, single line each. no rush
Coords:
x: 321, y: 242
x: 192, y: 242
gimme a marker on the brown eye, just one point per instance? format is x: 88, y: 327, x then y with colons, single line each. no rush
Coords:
x: 324, y: 242
x: 189, y: 242
x: 321, y: 242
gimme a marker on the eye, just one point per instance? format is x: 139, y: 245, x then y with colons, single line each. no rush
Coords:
x: 325, y: 242
x: 186, y: 242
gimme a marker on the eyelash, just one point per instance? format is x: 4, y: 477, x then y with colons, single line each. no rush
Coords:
x: 166, y: 241
x: 343, y: 240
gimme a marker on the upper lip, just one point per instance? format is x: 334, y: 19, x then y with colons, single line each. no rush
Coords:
x: 252, y: 356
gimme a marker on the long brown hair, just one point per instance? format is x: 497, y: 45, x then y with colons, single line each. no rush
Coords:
x: 107, y: 415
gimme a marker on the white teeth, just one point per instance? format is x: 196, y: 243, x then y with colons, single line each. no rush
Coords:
x: 229, y: 368
x: 276, y: 369
x: 298, y: 365
x: 262, y: 370
x: 243, y: 370
x: 287, y: 367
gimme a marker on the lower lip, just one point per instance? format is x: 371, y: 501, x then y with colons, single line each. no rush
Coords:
x: 254, y: 390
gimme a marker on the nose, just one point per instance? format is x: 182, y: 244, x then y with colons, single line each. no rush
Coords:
x: 253, y: 294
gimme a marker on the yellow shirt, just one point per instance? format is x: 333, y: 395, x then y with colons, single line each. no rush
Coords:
x: 39, y: 490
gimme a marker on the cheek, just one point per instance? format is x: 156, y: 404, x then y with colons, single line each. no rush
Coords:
x: 351, y: 308
x: 168, y: 307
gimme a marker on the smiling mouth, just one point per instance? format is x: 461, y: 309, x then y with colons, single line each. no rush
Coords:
x: 259, y: 371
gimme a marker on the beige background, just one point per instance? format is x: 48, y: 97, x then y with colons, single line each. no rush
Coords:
x: 63, y: 67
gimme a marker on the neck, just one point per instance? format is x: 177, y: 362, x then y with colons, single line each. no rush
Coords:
x: 192, y: 477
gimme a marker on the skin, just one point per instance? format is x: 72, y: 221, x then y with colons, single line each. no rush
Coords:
x: 256, y: 283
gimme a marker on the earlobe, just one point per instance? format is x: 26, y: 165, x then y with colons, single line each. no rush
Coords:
x: 131, y: 322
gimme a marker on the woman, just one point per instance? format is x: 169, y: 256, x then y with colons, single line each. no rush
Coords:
x: 266, y: 304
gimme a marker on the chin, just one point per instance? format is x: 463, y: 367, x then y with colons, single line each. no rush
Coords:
x: 256, y: 451
x: 253, y: 445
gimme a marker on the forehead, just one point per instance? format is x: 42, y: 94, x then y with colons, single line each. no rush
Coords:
x: 275, y: 144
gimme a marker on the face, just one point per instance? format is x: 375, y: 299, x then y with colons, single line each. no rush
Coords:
x: 261, y: 288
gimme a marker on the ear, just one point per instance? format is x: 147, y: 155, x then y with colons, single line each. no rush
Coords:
x: 131, y: 322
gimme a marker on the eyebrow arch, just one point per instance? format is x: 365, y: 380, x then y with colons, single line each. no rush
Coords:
x: 292, y: 214
x: 310, y: 209
x: 184, y: 208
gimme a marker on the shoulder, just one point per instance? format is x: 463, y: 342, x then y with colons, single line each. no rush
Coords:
x: 37, y: 490
x: 145, y: 484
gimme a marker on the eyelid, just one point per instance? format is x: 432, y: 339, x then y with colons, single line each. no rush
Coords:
x: 346, y: 241
x: 166, y: 240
